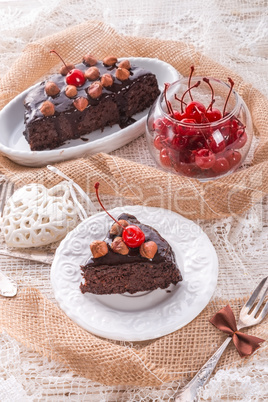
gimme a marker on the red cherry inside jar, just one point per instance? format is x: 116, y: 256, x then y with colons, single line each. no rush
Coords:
x: 199, y: 127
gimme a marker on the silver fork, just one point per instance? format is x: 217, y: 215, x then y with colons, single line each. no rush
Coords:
x: 8, y: 287
x: 247, y: 318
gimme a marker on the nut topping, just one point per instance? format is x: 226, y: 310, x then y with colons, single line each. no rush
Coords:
x: 109, y: 60
x: 148, y: 249
x: 95, y: 89
x: 51, y: 88
x: 70, y: 91
x: 80, y: 103
x: 98, y: 248
x: 125, y: 64
x: 90, y: 60
x: 117, y: 229
x: 47, y: 108
x: 122, y: 74
x: 92, y: 73
x: 65, y: 69
x: 107, y: 80
x: 119, y: 247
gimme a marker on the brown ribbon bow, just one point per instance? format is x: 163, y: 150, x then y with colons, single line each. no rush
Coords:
x: 225, y: 321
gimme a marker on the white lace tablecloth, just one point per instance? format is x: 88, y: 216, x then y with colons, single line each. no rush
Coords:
x: 233, y: 32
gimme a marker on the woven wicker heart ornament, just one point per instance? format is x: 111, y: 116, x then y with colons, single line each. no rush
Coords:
x: 35, y: 216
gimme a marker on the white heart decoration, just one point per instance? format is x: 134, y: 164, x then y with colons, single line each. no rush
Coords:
x: 35, y: 216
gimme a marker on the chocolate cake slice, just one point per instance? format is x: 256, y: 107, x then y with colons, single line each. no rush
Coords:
x: 119, y: 269
x: 105, y: 93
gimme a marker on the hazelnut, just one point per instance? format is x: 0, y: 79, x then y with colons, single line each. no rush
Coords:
x: 110, y: 60
x: 107, y: 80
x: 80, y: 103
x: 119, y: 247
x: 65, y: 69
x: 98, y: 248
x: 125, y: 64
x: 90, y: 60
x: 117, y: 229
x: 71, y: 91
x: 51, y: 88
x: 92, y: 73
x: 122, y: 74
x: 47, y: 108
x: 148, y: 249
x: 95, y: 89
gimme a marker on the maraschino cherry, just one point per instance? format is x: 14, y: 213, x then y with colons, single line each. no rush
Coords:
x: 74, y: 76
x: 132, y: 235
x: 199, y: 140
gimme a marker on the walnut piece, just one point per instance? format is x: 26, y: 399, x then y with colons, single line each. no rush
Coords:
x: 117, y: 229
x: 119, y: 247
x: 148, y: 249
x: 98, y: 248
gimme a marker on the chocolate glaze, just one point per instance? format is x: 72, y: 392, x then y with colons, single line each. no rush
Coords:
x: 116, y: 105
x: 62, y: 103
x: 164, y: 251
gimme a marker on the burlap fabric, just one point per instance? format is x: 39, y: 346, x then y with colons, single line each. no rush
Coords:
x: 37, y: 322
x: 186, y: 196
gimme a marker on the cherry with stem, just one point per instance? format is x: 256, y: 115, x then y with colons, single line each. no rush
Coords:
x: 132, y: 235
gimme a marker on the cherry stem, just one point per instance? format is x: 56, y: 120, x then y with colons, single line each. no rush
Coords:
x: 229, y: 94
x: 206, y: 80
x: 178, y: 99
x: 169, y: 107
x: 188, y: 90
x: 189, y: 82
x: 97, y: 185
x: 207, y: 121
x: 54, y: 51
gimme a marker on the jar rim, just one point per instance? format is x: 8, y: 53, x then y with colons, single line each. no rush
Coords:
x: 209, y: 124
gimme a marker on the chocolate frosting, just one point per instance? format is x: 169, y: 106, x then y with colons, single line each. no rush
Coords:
x: 62, y: 103
x: 164, y: 252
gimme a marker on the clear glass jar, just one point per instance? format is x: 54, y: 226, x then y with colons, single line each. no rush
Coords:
x: 188, y: 136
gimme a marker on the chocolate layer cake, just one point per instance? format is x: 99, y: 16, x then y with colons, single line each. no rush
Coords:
x: 133, y: 272
x: 56, y: 112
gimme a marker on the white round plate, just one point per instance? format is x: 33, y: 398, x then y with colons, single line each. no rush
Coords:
x: 16, y: 148
x: 144, y: 315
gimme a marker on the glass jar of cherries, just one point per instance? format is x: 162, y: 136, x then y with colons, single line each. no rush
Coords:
x: 199, y: 127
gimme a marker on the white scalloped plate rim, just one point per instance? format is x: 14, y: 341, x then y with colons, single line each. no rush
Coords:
x: 15, y: 147
x: 142, y: 316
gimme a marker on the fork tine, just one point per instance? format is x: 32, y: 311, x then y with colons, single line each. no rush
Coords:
x: 255, y: 294
x: 256, y: 309
x: 264, y: 311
